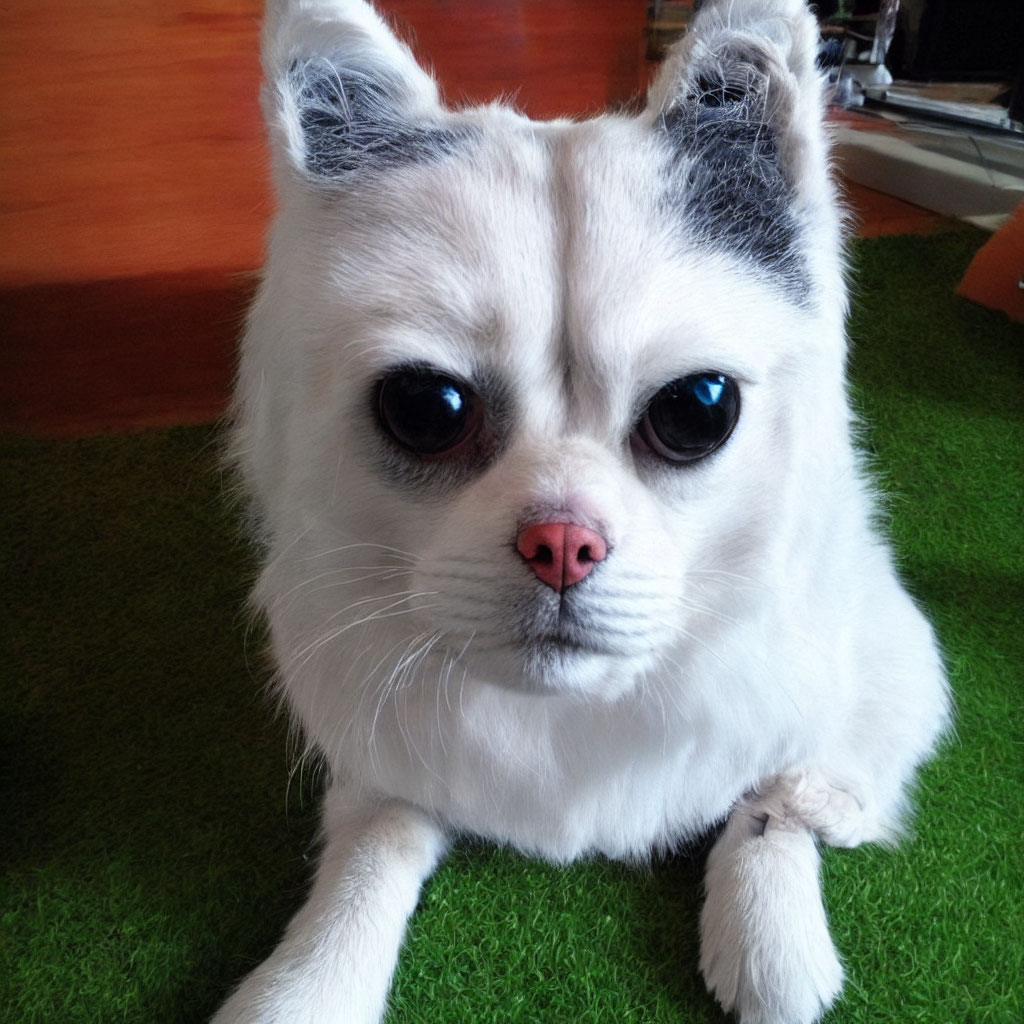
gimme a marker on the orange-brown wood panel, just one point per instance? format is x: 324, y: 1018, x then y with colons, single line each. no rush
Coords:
x: 130, y: 139
x: 130, y: 135
x: 133, y: 179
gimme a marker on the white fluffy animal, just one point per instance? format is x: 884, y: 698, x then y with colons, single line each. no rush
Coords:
x: 567, y: 545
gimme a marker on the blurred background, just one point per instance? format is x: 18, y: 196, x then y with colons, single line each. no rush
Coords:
x: 134, y: 187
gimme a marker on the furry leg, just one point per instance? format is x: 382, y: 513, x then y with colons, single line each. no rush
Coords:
x: 337, y: 956
x: 766, y: 952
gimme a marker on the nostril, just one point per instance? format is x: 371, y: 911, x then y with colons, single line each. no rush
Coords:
x: 543, y: 554
x: 584, y: 546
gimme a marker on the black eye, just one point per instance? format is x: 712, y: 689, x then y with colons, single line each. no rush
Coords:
x: 427, y: 412
x: 691, y: 417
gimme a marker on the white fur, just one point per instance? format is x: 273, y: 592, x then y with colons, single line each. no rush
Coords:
x: 755, y: 655
x: 764, y: 899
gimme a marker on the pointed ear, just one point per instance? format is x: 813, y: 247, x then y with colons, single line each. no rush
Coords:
x: 740, y: 102
x: 342, y: 96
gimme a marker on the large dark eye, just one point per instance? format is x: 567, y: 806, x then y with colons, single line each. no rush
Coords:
x: 427, y: 412
x: 691, y: 417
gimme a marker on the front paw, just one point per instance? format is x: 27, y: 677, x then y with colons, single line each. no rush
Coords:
x: 766, y: 952
x: 283, y: 992
x: 837, y: 814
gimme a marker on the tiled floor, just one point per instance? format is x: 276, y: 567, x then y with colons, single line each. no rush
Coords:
x: 134, y: 190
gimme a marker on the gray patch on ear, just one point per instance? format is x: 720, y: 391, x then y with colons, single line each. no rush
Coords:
x: 728, y: 185
x: 352, y: 121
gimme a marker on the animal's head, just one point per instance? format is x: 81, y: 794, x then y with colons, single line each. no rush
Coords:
x: 551, y: 398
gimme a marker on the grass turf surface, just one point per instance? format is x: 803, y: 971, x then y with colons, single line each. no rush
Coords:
x: 153, y: 846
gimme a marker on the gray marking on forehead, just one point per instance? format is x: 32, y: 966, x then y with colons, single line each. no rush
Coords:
x: 727, y: 185
x: 569, y: 207
x: 354, y: 121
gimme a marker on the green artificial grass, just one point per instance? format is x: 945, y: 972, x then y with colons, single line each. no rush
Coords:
x: 154, y: 841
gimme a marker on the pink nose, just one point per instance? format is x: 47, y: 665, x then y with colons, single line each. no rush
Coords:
x: 561, y: 554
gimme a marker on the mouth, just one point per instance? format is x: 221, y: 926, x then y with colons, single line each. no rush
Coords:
x: 557, y: 663
x: 558, y: 654
x: 560, y: 644
x: 561, y: 633
x: 549, y: 646
x: 555, y: 647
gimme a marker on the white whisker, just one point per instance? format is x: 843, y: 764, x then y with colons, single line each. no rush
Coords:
x: 302, y: 656
x: 386, y: 548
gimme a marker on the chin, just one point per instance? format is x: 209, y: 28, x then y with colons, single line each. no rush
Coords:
x: 556, y: 669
